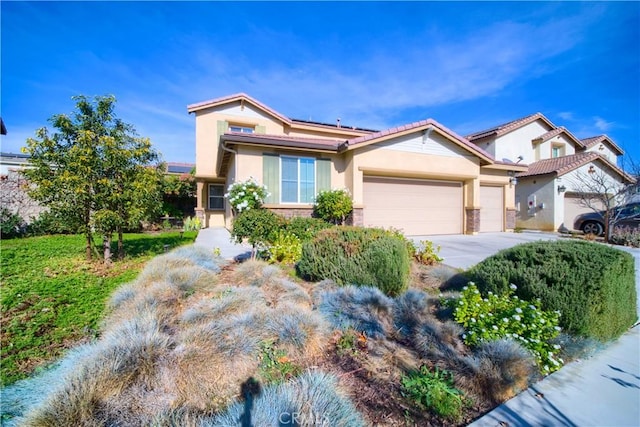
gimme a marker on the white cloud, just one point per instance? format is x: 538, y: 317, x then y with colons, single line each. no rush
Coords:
x: 566, y: 115
x: 601, y: 124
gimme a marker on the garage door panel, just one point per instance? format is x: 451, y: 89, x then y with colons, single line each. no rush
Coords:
x: 414, y: 206
x: 491, y: 208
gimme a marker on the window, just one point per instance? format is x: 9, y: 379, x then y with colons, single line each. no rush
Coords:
x: 216, y: 196
x: 557, y: 151
x: 298, y: 179
x: 241, y: 129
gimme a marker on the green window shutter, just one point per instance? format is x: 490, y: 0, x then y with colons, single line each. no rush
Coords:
x: 323, y: 174
x: 271, y: 177
x: 223, y: 127
x: 261, y: 129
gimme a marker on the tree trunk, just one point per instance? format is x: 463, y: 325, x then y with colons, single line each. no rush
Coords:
x: 106, y: 246
x: 120, y: 244
x: 89, y: 244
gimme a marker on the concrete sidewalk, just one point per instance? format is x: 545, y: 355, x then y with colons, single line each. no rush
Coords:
x: 603, y: 390
x: 219, y: 237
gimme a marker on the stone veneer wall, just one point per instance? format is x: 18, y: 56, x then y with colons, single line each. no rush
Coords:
x: 473, y: 220
x: 356, y: 217
x: 511, y: 218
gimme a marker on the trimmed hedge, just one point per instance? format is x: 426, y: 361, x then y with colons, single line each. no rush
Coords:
x: 358, y: 256
x: 592, y: 285
x: 305, y: 228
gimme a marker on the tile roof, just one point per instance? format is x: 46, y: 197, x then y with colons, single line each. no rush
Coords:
x: 236, y: 97
x: 283, y: 140
x: 565, y: 164
x: 594, y: 140
x: 423, y: 123
x: 557, y: 131
x: 508, y: 127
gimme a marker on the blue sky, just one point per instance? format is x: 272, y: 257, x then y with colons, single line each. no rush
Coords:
x: 468, y: 65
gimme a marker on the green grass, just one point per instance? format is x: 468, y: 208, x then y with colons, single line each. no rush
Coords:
x: 52, y: 298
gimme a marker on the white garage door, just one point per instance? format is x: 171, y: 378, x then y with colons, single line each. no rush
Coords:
x: 491, y: 208
x: 415, y: 206
x: 572, y: 209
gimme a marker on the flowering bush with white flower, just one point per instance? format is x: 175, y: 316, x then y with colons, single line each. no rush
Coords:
x: 246, y: 195
x: 507, y: 316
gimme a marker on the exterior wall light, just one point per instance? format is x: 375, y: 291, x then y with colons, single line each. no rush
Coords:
x: 591, y: 169
x: 561, y: 189
x: 513, y: 181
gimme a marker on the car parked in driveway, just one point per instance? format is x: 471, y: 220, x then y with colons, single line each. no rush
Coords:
x: 624, y: 216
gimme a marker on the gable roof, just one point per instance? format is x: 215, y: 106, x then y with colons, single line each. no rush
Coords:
x: 558, y: 131
x: 416, y: 126
x: 243, y: 97
x: 594, y: 140
x: 565, y: 164
x: 509, y: 127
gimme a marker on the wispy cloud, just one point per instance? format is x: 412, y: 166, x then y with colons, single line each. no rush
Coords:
x: 566, y: 115
x: 601, y: 124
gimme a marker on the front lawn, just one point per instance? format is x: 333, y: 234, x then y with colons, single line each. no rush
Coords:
x: 52, y: 298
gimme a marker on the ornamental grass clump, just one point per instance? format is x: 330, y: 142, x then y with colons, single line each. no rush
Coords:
x: 507, y: 316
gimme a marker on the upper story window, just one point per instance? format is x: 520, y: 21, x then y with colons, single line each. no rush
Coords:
x: 241, y: 129
x: 557, y: 151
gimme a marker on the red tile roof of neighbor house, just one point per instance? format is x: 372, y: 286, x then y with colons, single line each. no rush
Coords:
x: 565, y: 164
x: 509, y: 127
x: 423, y: 123
x: 557, y: 131
x: 592, y: 141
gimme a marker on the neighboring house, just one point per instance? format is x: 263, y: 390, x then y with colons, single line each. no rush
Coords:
x: 421, y: 178
x: 174, y: 168
x: 548, y: 193
x: 13, y: 194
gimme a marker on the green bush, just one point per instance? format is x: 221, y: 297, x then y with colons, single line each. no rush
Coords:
x: 592, y: 285
x: 305, y: 228
x: 358, y: 256
x: 333, y: 206
x: 286, y: 248
x: 258, y: 226
x: 192, y: 223
x: 11, y: 225
x: 507, y: 316
x: 435, y: 391
x: 427, y: 254
x: 246, y: 195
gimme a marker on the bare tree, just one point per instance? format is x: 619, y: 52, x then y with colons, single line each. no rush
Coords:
x: 600, y: 192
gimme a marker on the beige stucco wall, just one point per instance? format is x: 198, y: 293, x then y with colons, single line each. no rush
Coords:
x: 606, y: 151
x: 518, y: 142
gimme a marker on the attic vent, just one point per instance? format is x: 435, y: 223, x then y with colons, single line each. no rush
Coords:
x: 338, y: 122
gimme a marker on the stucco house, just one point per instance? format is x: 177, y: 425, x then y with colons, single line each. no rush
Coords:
x: 421, y: 178
x: 560, y: 167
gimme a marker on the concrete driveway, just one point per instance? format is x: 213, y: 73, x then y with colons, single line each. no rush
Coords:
x: 462, y: 251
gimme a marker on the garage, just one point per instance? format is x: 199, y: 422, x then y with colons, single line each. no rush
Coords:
x: 573, y: 208
x: 415, y: 206
x: 491, y: 208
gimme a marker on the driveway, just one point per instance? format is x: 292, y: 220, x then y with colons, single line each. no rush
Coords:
x: 462, y: 251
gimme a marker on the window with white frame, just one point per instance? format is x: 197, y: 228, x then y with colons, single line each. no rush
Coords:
x: 298, y: 179
x: 241, y: 129
x: 557, y: 150
x: 216, y: 196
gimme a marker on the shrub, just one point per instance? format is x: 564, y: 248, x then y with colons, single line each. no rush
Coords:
x: 359, y: 256
x: 626, y: 236
x: 592, y: 285
x: 11, y: 224
x: 192, y: 223
x: 333, y: 206
x: 305, y: 228
x: 246, y: 195
x: 50, y: 223
x: 507, y: 316
x: 258, y: 226
x: 286, y: 248
x: 434, y: 390
x: 427, y: 254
